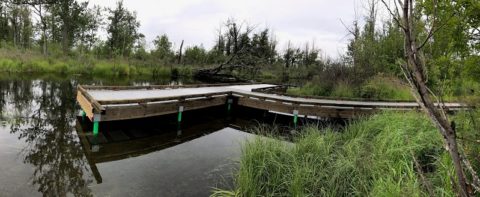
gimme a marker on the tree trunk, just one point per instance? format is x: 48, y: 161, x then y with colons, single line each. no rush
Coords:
x: 415, y: 74
x: 45, y: 40
x: 180, y: 54
x: 65, y: 38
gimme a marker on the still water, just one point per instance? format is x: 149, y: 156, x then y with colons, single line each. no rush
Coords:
x: 46, y: 150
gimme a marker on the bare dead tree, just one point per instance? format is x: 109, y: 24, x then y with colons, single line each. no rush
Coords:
x: 236, y: 51
x: 415, y: 72
x: 179, y: 60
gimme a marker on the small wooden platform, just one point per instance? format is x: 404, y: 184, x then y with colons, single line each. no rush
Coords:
x: 109, y: 103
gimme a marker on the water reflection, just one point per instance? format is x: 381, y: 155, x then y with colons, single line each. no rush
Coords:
x: 42, y: 115
x: 127, y: 139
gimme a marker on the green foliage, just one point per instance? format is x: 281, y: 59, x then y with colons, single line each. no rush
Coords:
x: 467, y: 125
x: 381, y: 87
x: 87, y: 66
x: 195, y: 55
x: 309, y: 89
x: 70, y: 17
x: 371, y: 157
x: 342, y: 90
x: 163, y: 48
x: 122, y: 30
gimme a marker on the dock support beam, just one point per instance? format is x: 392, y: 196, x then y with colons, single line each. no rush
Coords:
x: 295, y: 118
x: 179, y: 121
x: 96, y: 122
x: 229, y: 104
x: 179, y: 118
x: 83, y: 114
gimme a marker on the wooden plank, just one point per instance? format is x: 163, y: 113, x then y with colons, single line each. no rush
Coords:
x: 99, y: 108
x: 155, y: 109
x: 313, y: 110
x: 339, y: 103
x: 146, y: 107
x: 160, y: 86
x: 85, y: 105
x: 159, y: 99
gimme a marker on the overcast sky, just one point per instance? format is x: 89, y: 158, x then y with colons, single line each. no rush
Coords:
x: 197, y: 21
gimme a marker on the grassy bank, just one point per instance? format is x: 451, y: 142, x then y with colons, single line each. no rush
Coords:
x: 384, y: 87
x: 15, y: 61
x: 372, y: 157
x: 379, y: 87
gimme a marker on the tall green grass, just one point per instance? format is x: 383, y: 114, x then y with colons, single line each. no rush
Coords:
x: 371, y: 157
x: 382, y: 87
x: 12, y: 61
x: 379, y: 87
x: 72, y: 66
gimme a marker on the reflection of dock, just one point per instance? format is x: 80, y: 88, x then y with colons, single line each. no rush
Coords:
x: 107, y: 103
x: 115, y: 143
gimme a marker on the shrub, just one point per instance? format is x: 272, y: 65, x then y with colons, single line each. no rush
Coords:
x: 343, y: 90
x: 382, y: 87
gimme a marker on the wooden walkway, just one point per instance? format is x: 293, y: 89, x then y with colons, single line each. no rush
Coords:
x: 109, y: 103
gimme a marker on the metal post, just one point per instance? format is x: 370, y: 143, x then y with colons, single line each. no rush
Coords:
x: 96, y: 120
x: 229, y: 104
x: 180, y: 110
x: 295, y: 118
x: 179, y: 121
x: 179, y: 130
x: 83, y: 114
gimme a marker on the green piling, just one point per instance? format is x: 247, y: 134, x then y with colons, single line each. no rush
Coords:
x: 295, y: 118
x: 83, y: 115
x: 179, y: 130
x: 180, y: 110
x: 229, y: 104
x: 95, y: 128
x: 96, y: 122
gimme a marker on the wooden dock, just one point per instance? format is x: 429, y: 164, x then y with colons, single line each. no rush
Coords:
x: 110, y: 103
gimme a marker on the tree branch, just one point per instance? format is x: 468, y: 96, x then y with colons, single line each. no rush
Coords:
x: 393, y: 15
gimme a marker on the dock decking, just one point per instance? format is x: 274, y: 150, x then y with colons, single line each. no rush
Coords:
x: 109, y: 103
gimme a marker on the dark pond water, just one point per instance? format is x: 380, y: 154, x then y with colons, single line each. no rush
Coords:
x: 45, y: 149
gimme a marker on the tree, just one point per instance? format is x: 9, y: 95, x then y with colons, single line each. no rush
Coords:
x: 71, y: 16
x: 310, y: 55
x: 122, y: 30
x: 163, y: 48
x: 17, y: 25
x: 415, y: 72
x: 263, y: 48
x: 40, y: 9
x: 89, y: 25
x: 217, y: 54
x: 179, y: 58
x: 195, y: 55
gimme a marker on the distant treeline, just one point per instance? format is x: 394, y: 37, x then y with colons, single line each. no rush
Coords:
x: 70, y: 28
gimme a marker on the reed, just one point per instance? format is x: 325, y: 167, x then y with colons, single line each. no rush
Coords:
x: 374, y: 156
